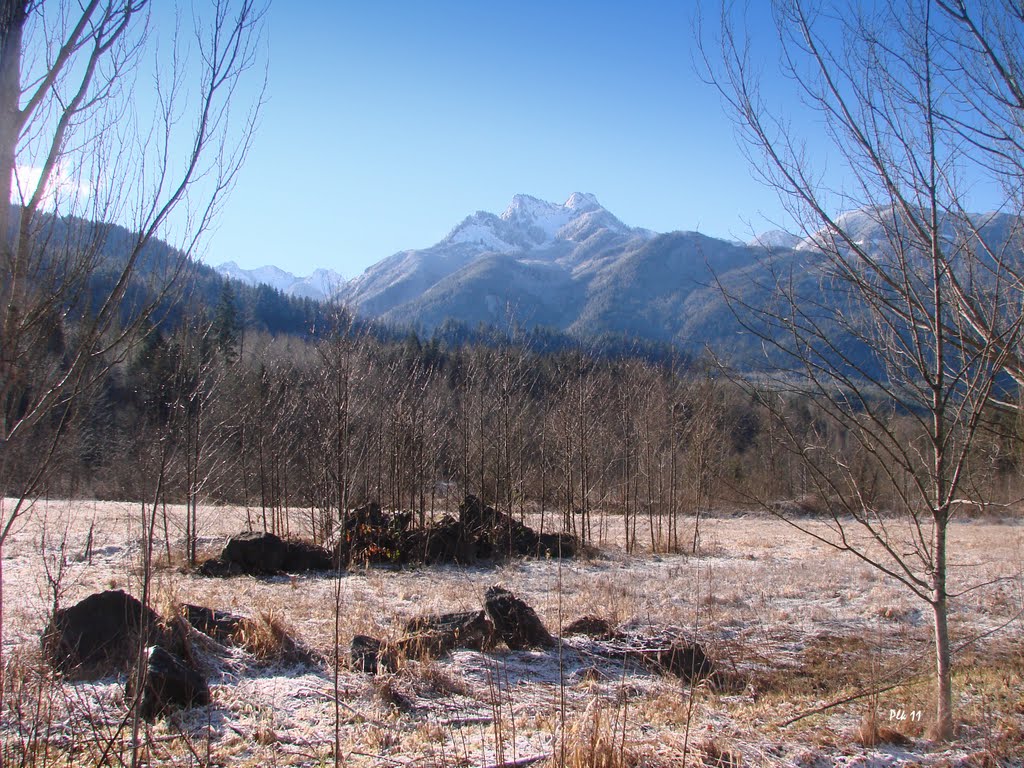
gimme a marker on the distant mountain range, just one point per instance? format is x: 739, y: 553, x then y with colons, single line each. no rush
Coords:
x: 319, y: 286
x: 577, y: 269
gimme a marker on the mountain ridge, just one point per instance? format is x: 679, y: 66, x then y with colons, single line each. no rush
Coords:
x: 575, y: 268
x: 320, y: 285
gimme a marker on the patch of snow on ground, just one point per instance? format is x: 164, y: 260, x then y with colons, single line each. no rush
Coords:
x: 762, y: 602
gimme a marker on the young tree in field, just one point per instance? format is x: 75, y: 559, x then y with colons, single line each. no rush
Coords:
x: 202, y: 424
x: 334, y: 400
x: 577, y: 411
x: 699, y: 429
x: 930, y: 305
x: 89, y: 177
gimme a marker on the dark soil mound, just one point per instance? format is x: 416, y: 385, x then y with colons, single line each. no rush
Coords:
x: 591, y: 626
x: 102, y: 634
x: 367, y: 535
x: 264, y: 554
x: 480, y: 533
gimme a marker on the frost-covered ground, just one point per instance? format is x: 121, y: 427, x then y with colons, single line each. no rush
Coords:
x: 795, y: 626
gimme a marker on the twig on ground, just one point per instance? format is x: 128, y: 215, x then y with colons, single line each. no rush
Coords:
x: 364, y: 718
x: 519, y: 763
x: 458, y: 722
x: 846, y: 700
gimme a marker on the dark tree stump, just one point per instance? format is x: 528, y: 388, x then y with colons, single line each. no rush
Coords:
x: 555, y: 545
x: 216, y: 567
x: 370, y: 655
x: 303, y: 556
x: 515, y: 621
x: 684, y: 660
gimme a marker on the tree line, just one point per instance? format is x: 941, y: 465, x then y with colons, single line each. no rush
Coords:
x: 299, y: 430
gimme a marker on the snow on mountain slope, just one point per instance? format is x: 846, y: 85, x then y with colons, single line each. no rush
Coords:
x: 530, y: 223
x: 775, y: 238
x: 268, y: 275
x: 539, y: 219
x: 876, y: 229
x: 484, y: 231
x: 323, y: 284
x: 528, y: 230
x: 495, y: 289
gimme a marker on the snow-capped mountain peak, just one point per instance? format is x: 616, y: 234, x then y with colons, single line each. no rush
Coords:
x: 267, y: 275
x: 484, y: 230
x: 321, y: 285
x: 528, y: 206
x: 582, y: 201
x: 538, y: 219
x: 529, y: 222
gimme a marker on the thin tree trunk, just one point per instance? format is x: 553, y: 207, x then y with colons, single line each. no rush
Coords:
x: 263, y: 484
x: 626, y: 498
x: 3, y: 667
x: 245, y: 478
x: 650, y: 482
x: 12, y: 24
x: 167, y: 532
x: 943, y: 729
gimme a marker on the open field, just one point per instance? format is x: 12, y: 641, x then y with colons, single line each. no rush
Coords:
x: 793, y: 625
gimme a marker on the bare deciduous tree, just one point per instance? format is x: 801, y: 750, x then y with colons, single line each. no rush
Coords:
x: 93, y: 175
x: 929, y: 315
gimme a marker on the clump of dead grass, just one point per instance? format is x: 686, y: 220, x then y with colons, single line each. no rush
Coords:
x: 388, y: 689
x: 29, y: 707
x: 872, y: 733
x: 828, y: 664
x: 714, y: 755
x: 990, y: 678
x: 382, y: 739
x: 597, y: 739
x: 269, y: 639
x: 429, y: 678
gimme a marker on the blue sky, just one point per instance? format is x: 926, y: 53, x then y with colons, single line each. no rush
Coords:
x: 388, y: 122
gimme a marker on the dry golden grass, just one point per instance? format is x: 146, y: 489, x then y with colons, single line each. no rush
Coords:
x: 597, y: 739
x: 793, y: 626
